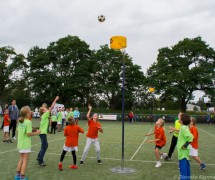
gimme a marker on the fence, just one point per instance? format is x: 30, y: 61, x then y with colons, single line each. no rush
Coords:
x: 150, y: 117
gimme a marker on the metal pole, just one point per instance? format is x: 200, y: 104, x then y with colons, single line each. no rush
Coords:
x: 153, y: 107
x: 123, y: 109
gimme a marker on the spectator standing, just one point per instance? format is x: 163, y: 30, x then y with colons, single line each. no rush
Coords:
x: 13, y: 114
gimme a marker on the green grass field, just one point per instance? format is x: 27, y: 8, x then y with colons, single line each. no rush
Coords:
x: 138, y: 155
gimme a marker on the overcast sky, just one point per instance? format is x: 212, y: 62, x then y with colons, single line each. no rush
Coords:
x: 147, y: 24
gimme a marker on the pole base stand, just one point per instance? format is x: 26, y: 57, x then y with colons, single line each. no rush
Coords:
x: 122, y: 170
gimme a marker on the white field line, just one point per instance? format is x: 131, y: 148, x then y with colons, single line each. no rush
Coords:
x: 31, y: 145
x: 127, y: 160
x: 140, y: 146
x: 206, y: 132
x: 40, y: 143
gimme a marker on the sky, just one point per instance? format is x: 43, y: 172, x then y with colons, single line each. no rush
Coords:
x: 148, y: 25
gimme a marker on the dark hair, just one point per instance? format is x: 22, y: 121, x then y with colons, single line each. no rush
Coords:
x: 185, y: 119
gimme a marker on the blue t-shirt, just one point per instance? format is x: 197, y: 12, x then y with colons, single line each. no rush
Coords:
x: 76, y: 114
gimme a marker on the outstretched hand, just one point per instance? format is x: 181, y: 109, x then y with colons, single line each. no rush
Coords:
x: 89, y: 106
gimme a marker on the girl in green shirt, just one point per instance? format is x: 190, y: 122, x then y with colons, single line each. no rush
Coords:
x: 24, y: 141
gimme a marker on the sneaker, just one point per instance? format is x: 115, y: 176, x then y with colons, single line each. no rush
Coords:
x: 167, y: 158
x: 60, y: 166
x: 158, y: 164
x: 17, y: 177
x: 24, y: 178
x: 14, y: 138
x: 163, y: 156
x: 81, y: 162
x: 42, y: 165
x: 202, y: 166
x: 99, y: 162
x: 73, y: 167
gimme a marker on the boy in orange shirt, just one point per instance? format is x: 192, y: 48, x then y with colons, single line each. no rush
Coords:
x: 194, y: 144
x: 160, y: 139
x: 6, y: 126
x: 92, y: 135
x: 71, y: 132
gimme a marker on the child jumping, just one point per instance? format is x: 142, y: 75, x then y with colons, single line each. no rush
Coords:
x: 160, y: 140
x: 6, y: 126
x: 24, y: 141
x: 44, y: 128
x: 92, y: 135
x: 71, y: 132
x: 183, y: 146
x: 194, y: 144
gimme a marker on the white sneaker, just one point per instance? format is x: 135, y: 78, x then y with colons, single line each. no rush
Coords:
x: 14, y: 138
x: 164, y: 155
x: 158, y: 164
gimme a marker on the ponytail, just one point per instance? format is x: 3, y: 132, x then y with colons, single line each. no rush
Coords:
x: 21, y: 119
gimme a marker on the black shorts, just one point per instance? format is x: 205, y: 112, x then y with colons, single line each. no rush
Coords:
x: 159, y: 147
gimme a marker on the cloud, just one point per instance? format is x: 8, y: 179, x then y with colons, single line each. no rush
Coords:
x: 148, y: 25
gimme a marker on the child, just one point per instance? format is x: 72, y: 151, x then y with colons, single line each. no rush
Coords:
x: 160, y: 140
x: 70, y: 113
x: 44, y: 128
x: 24, y: 141
x: 175, y: 130
x: 53, y: 122
x: 194, y: 144
x: 131, y: 116
x: 71, y: 144
x: 183, y: 146
x: 76, y: 115
x: 64, y: 113
x: 6, y: 127
x: 92, y: 135
x: 59, y: 120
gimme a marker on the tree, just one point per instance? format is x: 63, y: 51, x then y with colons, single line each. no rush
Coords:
x: 107, y: 77
x: 10, y: 63
x: 63, y: 68
x: 182, y: 69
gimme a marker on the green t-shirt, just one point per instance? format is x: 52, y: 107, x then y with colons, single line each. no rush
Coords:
x: 183, y: 137
x: 24, y: 141
x: 59, y: 116
x: 44, y: 123
x: 177, y: 126
x: 54, y: 118
x: 69, y: 115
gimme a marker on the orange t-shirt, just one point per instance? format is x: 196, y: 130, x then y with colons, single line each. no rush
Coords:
x: 71, y: 132
x: 93, y: 128
x: 6, y: 120
x: 194, y: 132
x: 160, y: 134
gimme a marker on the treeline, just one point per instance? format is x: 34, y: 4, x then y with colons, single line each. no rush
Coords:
x: 79, y: 75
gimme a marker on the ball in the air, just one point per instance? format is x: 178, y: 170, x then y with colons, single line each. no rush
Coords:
x: 101, y: 18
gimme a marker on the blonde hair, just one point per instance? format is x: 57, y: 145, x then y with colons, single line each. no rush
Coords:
x: 193, y: 120
x: 71, y: 120
x: 44, y: 105
x: 41, y: 110
x: 24, y: 112
x: 162, y: 121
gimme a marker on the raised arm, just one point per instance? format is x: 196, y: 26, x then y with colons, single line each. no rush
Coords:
x: 53, y: 103
x: 89, y: 111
